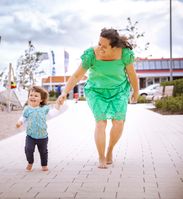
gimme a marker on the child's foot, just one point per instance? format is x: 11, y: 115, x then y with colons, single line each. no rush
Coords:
x: 29, y: 167
x: 102, y: 164
x: 44, y: 168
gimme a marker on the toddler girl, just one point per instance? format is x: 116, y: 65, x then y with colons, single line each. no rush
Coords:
x: 35, y: 114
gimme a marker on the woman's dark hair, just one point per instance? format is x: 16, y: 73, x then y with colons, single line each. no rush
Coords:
x: 115, y: 39
x: 44, y: 94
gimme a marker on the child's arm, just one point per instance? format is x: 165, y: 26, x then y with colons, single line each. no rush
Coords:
x: 57, y: 106
x: 56, y: 110
x: 20, y: 122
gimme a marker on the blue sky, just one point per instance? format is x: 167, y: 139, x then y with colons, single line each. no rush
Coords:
x: 75, y: 25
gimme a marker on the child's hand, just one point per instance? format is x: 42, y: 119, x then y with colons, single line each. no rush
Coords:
x: 62, y: 98
x: 57, y: 106
x: 19, y: 124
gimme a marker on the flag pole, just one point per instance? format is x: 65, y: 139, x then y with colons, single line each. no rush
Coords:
x: 66, y: 64
x: 64, y: 76
x: 9, y: 87
x: 64, y: 68
x: 50, y: 76
x: 171, y: 64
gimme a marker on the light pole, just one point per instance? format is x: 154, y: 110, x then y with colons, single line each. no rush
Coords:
x: 171, y: 68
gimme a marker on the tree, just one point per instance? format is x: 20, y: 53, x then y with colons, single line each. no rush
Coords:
x: 1, y: 75
x: 135, y: 37
x: 28, y: 66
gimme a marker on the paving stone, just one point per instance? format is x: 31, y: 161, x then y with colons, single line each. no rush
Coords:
x: 148, y: 160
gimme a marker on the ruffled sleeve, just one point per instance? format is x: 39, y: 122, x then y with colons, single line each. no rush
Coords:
x: 88, y: 58
x: 46, y: 109
x: 128, y: 56
x: 26, y: 112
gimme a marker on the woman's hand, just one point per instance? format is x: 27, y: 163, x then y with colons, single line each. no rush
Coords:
x: 134, y: 98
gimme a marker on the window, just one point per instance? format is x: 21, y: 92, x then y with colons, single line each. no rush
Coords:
x: 145, y: 65
x: 181, y: 64
x: 151, y: 65
x: 164, y: 79
x: 156, y: 80
x: 176, y: 64
x: 158, y: 64
x: 165, y: 64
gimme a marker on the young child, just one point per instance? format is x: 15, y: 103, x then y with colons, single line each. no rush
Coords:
x: 35, y: 115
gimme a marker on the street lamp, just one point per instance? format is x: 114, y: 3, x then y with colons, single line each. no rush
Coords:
x: 171, y: 68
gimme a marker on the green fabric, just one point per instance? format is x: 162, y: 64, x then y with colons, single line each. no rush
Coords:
x: 107, y: 88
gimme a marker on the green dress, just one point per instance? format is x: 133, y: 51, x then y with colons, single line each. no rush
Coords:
x: 107, y: 88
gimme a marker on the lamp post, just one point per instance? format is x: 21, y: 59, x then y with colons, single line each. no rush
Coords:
x: 171, y: 68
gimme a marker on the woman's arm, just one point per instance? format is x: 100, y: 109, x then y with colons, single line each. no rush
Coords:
x: 133, y: 81
x: 55, y: 110
x: 73, y: 80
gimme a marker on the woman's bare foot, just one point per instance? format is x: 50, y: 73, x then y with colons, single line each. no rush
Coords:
x: 44, y: 168
x: 102, y: 164
x: 29, y: 167
x: 109, y: 158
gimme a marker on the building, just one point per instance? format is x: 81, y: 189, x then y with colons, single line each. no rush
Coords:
x: 57, y: 83
x: 151, y: 71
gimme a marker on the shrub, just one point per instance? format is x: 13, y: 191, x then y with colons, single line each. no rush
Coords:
x: 170, y: 104
x: 51, y: 93
x: 82, y: 98
x: 159, y: 104
x: 142, y: 99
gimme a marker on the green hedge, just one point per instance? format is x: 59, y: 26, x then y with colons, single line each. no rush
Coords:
x: 178, y: 86
x: 53, y: 94
x: 142, y: 99
x: 170, y: 104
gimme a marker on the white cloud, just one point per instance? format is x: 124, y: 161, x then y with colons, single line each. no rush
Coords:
x: 75, y: 25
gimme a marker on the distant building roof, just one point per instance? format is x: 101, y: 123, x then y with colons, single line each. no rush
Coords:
x: 57, y: 80
x: 158, y: 64
x: 158, y: 59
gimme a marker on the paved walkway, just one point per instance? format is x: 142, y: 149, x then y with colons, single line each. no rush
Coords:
x: 8, y: 129
x: 148, y: 160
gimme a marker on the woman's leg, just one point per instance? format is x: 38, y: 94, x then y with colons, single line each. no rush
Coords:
x: 115, y: 134
x: 100, y: 140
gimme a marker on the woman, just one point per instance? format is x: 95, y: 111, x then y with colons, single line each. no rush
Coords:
x: 107, y: 90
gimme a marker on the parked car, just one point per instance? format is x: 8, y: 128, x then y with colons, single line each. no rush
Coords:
x: 149, y: 90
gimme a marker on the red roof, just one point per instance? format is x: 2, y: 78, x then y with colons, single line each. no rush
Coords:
x: 157, y: 59
x: 58, y: 79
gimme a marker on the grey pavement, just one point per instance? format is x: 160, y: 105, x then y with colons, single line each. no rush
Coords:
x: 148, y: 159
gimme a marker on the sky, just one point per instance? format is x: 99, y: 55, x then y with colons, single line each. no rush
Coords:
x: 75, y: 25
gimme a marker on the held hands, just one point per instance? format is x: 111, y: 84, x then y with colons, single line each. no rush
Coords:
x: 61, y: 98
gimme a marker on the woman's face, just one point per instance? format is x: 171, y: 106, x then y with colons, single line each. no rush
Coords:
x: 104, y: 46
x: 34, y: 99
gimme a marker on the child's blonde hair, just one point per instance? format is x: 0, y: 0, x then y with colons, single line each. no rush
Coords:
x: 44, y: 94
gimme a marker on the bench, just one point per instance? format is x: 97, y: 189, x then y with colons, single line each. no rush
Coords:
x: 161, y: 93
